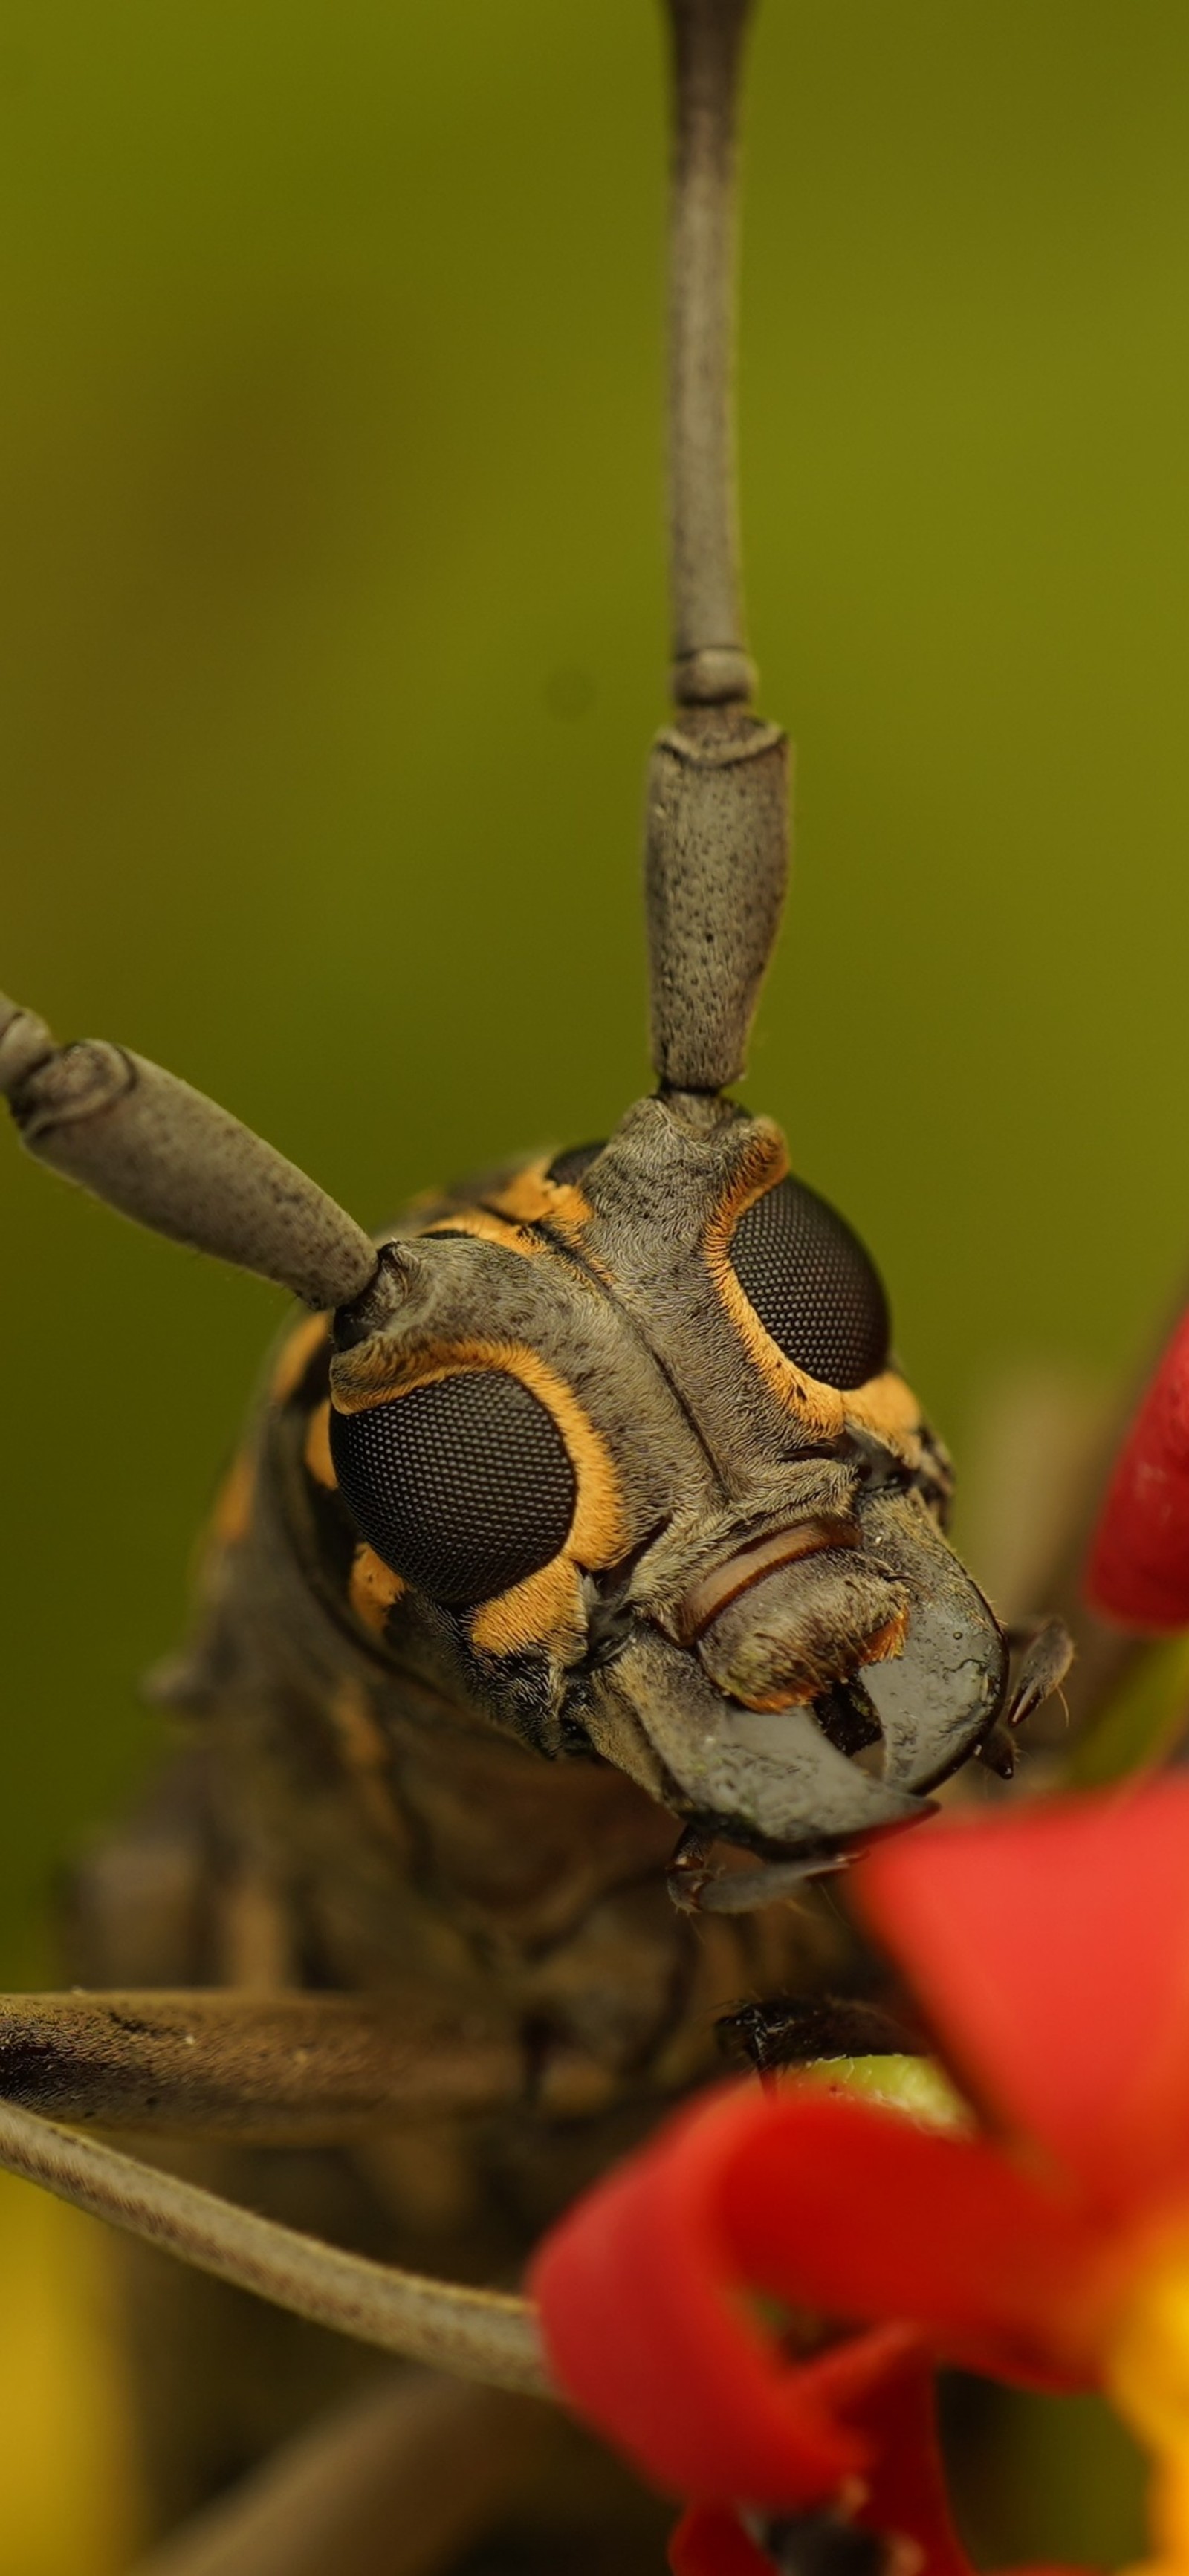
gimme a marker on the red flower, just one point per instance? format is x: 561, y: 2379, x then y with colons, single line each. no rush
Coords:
x: 1046, y: 2244
x: 883, y: 2385
x: 1139, y: 1558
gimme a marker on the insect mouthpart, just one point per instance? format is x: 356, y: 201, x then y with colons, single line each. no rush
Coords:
x: 803, y: 1627
x: 716, y: 1590
x: 854, y: 1633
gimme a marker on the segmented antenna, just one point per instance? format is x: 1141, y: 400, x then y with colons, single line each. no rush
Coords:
x: 717, y: 841
x: 168, y: 1156
x: 711, y: 665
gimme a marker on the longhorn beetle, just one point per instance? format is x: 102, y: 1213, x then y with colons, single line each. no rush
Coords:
x: 581, y: 1589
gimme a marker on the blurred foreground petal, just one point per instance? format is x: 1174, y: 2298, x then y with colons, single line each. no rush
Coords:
x: 647, y: 2331
x: 1138, y: 1568
x: 1050, y: 1950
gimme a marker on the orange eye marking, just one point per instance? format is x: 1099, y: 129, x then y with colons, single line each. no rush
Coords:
x: 536, y: 1200
x: 885, y: 1405
x: 295, y: 1356
x: 765, y: 1162
x: 317, y: 1448
x: 373, y: 1589
x: 483, y: 1227
x: 546, y: 1607
x: 233, y: 1503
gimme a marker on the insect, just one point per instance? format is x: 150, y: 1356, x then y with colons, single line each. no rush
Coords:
x: 582, y: 1588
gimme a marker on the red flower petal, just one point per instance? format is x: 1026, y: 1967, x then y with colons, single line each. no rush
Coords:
x: 710, y: 2541
x: 855, y: 2212
x: 1050, y: 1949
x: 1138, y: 1567
x: 646, y: 2331
x: 905, y: 2495
x: 835, y: 2206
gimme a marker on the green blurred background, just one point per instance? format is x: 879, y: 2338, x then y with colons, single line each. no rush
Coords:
x: 334, y: 632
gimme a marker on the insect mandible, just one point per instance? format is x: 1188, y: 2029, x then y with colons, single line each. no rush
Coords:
x: 583, y: 1586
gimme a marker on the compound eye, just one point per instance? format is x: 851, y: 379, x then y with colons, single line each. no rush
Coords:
x: 574, y: 1163
x: 816, y: 1291
x: 463, y: 1487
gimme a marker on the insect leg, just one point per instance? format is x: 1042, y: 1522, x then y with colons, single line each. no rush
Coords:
x: 790, y: 2030
x: 276, y: 2070
x: 395, y: 2484
x: 477, y: 2334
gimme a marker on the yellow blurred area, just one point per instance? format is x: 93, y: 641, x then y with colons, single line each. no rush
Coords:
x: 67, y: 2484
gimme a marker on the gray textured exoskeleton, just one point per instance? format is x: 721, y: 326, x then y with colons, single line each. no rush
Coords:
x: 588, y: 1499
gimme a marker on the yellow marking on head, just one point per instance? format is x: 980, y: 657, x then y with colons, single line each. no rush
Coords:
x: 373, y: 1589
x: 295, y: 1356
x: 233, y: 1503
x: 887, y: 1406
x: 536, y: 1200
x: 483, y: 1227
x: 884, y: 1404
x: 317, y: 1447
x: 764, y: 1163
x: 545, y: 1608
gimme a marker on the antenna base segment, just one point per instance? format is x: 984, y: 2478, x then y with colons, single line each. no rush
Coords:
x: 715, y: 870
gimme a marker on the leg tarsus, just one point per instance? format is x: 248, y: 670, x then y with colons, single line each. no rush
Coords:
x: 791, y: 2030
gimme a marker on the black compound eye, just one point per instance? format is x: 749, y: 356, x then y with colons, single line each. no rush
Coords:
x: 576, y: 1161
x: 815, y: 1290
x: 463, y: 1487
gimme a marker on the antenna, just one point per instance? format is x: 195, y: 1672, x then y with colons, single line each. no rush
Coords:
x: 168, y: 1156
x: 710, y: 667
x: 716, y: 855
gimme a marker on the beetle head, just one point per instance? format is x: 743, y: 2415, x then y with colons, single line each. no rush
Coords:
x: 623, y: 1430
